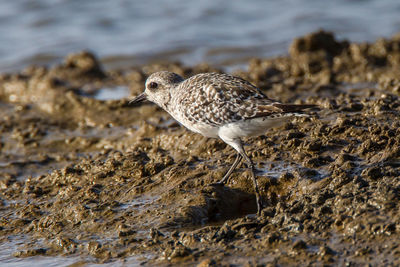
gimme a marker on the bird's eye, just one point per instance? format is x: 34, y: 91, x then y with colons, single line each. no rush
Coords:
x: 153, y: 85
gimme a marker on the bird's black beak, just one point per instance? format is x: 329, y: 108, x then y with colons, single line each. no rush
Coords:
x: 138, y: 99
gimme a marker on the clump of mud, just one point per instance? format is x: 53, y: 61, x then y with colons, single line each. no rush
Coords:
x: 109, y: 181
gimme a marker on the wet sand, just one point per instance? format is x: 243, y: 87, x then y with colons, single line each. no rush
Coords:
x: 106, y: 181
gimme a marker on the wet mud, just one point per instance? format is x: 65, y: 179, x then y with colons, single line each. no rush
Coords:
x: 112, y: 182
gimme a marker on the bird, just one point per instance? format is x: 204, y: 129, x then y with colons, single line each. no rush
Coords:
x: 223, y: 106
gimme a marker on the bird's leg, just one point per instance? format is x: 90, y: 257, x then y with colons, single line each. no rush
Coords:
x: 253, y: 176
x: 225, y: 179
x: 236, y: 143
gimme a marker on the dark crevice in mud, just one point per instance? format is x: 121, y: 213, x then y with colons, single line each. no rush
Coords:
x: 100, y: 180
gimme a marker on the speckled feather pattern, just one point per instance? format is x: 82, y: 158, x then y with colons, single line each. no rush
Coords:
x: 210, y: 100
x: 217, y: 99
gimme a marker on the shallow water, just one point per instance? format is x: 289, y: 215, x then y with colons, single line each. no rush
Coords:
x: 126, y: 33
x: 9, y: 247
x: 6, y: 259
x: 112, y: 93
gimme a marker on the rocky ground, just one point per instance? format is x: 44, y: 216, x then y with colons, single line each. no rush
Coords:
x: 112, y: 182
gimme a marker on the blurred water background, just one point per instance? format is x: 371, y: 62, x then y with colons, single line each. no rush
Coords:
x: 221, y: 32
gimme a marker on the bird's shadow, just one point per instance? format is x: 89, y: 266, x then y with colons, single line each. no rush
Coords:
x: 224, y: 203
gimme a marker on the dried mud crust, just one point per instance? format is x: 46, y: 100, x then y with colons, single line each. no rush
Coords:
x: 110, y: 181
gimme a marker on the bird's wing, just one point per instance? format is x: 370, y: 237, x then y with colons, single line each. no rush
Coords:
x: 265, y: 110
x: 224, y: 99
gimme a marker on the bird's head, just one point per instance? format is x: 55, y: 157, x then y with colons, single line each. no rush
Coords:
x: 158, y: 88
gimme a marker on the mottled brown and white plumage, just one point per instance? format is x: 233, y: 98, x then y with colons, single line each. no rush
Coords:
x: 219, y: 106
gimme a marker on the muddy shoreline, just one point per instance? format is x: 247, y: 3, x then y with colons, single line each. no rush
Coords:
x: 111, y: 182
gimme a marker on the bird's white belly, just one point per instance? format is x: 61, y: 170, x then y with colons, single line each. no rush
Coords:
x: 197, y: 127
x: 204, y: 129
x: 254, y: 127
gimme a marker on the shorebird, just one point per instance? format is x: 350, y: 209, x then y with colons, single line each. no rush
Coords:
x: 219, y: 106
